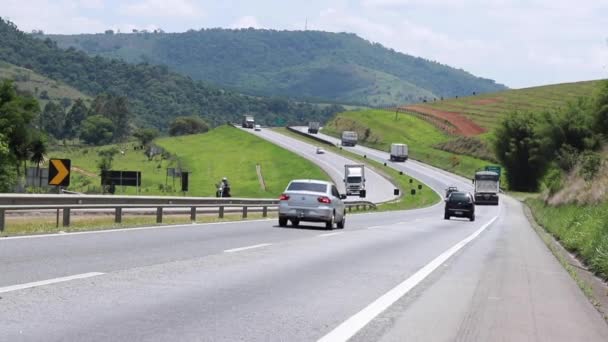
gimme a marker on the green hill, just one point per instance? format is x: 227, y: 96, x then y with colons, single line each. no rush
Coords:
x: 222, y: 152
x: 156, y: 95
x: 42, y: 88
x: 336, y: 67
x: 487, y: 110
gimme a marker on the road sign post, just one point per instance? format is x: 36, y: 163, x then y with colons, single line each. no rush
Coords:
x: 59, y: 172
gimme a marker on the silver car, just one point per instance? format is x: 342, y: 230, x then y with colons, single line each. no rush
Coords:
x: 312, y: 201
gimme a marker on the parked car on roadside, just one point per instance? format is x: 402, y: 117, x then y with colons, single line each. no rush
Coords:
x: 312, y: 201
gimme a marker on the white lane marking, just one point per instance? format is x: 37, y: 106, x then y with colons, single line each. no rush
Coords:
x: 330, y: 234
x: 119, y: 230
x: 48, y: 282
x: 375, y: 227
x: 351, y: 326
x: 246, y: 248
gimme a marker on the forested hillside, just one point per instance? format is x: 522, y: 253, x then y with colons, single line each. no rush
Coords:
x: 337, y: 67
x: 155, y: 94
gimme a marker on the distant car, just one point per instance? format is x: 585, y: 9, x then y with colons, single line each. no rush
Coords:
x: 320, y: 150
x: 257, y: 128
x: 460, y: 204
x: 449, y: 190
x: 312, y: 201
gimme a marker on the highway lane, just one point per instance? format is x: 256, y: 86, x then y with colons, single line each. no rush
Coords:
x: 379, y: 189
x: 256, y: 282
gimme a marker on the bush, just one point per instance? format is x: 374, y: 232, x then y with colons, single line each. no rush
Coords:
x: 553, y: 180
x: 590, y: 164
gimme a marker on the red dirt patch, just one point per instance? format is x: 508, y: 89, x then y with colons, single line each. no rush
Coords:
x: 482, y: 102
x: 464, y: 126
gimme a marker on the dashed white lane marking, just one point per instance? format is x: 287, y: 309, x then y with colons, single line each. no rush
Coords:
x: 351, y: 326
x: 48, y: 282
x: 330, y: 234
x: 246, y: 248
x: 375, y: 227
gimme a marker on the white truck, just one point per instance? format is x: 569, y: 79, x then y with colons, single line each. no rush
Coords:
x: 349, y: 138
x: 487, y: 187
x: 354, y: 179
x: 399, y: 152
x: 313, y: 127
x: 248, y: 121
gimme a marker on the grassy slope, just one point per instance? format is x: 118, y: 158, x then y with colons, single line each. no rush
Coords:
x: 580, y: 229
x: 224, y: 151
x: 28, y: 80
x: 418, y: 134
x: 488, y: 109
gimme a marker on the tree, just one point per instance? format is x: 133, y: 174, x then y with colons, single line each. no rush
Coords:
x: 38, y: 150
x: 519, y: 148
x: 74, y: 118
x: 601, y: 109
x: 146, y: 135
x: 97, y: 130
x: 188, y: 125
x: 52, y: 119
x: 7, y: 171
x: 116, y: 109
x: 107, y: 158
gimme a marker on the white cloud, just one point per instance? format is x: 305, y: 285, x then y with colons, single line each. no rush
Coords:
x: 162, y: 9
x: 246, y: 22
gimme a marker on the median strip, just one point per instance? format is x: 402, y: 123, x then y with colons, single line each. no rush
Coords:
x: 246, y: 248
x: 48, y: 282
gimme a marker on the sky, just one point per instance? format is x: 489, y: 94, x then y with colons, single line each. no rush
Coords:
x: 519, y: 43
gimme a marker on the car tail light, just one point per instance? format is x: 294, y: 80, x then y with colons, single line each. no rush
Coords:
x: 284, y: 197
x: 324, y: 199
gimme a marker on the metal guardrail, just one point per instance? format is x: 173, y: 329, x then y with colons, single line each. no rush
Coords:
x: 67, y: 203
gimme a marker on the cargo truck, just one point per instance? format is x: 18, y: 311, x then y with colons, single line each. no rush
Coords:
x: 487, y: 187
x: 399, y: 152
x: 313, y: 127
x: 349, y: 138
x: 354, y: 180
x: 248, y: 121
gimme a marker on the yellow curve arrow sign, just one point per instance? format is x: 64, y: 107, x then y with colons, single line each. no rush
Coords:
x: 62, y: 172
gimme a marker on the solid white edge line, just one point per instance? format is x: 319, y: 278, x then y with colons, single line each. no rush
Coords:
x: 375, y: 227
x: 246, y: 248
x: 126, y: 229
x: 48, y: 282
x: 330, y: 234
x: 351, y: 326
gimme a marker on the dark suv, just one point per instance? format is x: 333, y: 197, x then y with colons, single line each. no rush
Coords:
x: 460, y: 204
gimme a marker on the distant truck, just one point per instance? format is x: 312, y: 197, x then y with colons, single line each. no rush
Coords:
x: 354, y: 180
x: 248, y: 121
x: 399, y: 152
x: 349, y: 138
x: 313, y: 127
x: 487, y: 187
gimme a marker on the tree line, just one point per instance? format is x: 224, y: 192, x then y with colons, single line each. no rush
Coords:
x: 540, y: 148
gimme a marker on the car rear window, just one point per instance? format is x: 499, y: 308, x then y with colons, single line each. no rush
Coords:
x: 458, y: 197
x: 314, y: 187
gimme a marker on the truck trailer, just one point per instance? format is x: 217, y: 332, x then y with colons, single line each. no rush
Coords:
x: 349, y: 138
x: 313, y: 127
x: 248, y: 121
x: 487, y: 187
x: 399, y: 152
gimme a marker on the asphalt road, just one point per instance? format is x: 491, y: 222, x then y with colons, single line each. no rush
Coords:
x: 395, y: 276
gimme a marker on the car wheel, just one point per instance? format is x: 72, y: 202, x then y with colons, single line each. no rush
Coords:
x: 472, y: 218
x: 446, y: 216
x: 282, y: 222
x: 330, y: 224
x: 342, y: 223
x: 295, y: 223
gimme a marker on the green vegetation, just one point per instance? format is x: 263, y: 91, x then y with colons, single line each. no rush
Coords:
x: 222, y: 152
x: 334, y: 67
x: 423, y: 197
x: 20, y: 226
x: 581, y: 229
x: 487, y: 110
x: 379, y: 128
x: 155, y: 94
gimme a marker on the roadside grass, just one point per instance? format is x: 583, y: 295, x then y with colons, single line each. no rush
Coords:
x: 385, y: 127
x: 222, y: 152
x: 16, y: 226
x: 424, y: 197
x: 583, y: 230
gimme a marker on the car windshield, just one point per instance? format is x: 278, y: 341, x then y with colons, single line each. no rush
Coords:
x: 354, y: 179
x: 458, y: 197
x: 305, y: 186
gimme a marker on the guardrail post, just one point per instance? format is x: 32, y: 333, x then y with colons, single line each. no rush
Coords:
x: 118, y: 215
x: 221, y: 212
x: 350, y: 208
x: 66, y: 217
x: 159, y: 215
x: 265, y: 212
x: 357, y: 207
x: 193, y: 214
x: 2, y: 220
x: 244, y: 212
